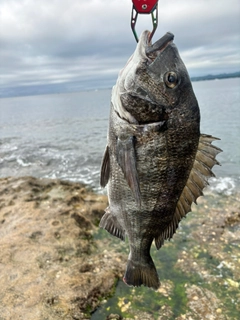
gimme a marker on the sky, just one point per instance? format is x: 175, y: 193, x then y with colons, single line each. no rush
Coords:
x: 72, y: 45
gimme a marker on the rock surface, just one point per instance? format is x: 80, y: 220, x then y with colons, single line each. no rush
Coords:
x: 50, y: 265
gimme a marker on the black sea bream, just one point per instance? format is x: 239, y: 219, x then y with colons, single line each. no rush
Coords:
x: 156, y: 161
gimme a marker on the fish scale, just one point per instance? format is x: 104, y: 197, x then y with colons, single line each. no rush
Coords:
x: 156, y: 162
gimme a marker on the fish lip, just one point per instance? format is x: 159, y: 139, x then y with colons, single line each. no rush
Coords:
x: 153, y: 50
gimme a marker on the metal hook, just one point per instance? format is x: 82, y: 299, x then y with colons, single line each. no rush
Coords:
x: 133, y: 22
x: 154, y: 14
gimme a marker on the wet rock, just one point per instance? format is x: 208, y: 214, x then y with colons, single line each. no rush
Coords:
x: 204, y: 304
x: 50, y: 265
x: 233, y: 219
x: 114, y: 317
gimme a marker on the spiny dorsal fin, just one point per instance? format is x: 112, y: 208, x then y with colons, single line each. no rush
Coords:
x: 197, y: 180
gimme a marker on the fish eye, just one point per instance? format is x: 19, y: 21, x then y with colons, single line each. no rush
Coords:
x: 171, y: 79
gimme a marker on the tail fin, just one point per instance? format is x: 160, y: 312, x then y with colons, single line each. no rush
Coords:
x: 137, y: 274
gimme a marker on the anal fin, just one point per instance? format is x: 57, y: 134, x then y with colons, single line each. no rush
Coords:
x: 110, y: 223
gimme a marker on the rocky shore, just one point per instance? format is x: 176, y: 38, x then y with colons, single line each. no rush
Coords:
x: 54, y: 264
x: 50, y: 266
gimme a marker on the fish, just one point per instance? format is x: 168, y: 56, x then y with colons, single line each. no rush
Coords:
x: 156, y: 162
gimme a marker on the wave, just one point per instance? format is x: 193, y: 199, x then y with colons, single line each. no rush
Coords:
x: 50, y: 160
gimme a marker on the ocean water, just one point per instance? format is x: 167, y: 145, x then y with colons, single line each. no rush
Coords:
x: 64, y: 135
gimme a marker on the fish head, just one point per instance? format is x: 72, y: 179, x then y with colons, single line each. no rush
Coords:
x: 155, y: 83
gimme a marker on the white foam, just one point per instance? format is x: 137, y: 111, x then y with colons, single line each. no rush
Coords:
x: 22, y: 163
x: 9, y: 148
x: 225, y: 185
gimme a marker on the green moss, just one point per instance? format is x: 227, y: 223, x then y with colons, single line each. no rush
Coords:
x: 88, y: 311
x: 229, y: 297
x: 201, y: 267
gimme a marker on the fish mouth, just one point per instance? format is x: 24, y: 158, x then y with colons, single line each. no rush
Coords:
x: 153, y: 50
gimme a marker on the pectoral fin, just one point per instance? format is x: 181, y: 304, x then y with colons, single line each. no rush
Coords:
x: 105, y: 168
x: 197, y: 180
x: 126, y: 158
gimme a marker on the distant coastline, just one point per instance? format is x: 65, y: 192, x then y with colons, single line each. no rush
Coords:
x: 218, y: 76
x: 33, y: 90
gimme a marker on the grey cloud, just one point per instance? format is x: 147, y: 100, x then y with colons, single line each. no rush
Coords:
x: 85, y: 44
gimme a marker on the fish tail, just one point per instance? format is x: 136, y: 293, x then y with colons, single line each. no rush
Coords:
x: 138, y: 274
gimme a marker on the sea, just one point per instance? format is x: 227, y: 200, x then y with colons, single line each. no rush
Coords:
x: 64, y: 135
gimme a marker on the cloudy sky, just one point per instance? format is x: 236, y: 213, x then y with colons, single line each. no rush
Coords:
x: 73, y: 45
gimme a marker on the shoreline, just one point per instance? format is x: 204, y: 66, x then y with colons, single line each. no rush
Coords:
x: 55, y: 263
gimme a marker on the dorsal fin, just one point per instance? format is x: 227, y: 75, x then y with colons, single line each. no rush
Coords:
x: 197, y: 180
